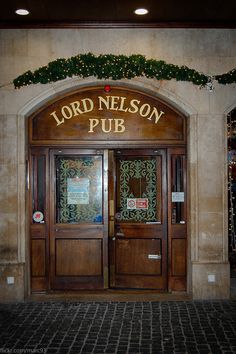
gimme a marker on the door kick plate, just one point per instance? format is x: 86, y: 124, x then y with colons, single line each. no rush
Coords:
x: 154, y: 256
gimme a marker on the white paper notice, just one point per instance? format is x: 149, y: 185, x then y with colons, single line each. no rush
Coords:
x: 177, y: 197
x: 78, y: 190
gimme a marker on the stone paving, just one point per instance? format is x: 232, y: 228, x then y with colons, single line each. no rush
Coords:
x: 118, y: 327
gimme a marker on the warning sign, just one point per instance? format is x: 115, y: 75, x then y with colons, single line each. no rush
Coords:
x: 142, y: 203
x: 137, y: 203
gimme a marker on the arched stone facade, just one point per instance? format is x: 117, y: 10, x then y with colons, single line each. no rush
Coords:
x: 207, y: 152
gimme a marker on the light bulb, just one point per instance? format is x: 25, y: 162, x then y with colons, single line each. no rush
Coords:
x: 141, y: 11
x: 22, y: 12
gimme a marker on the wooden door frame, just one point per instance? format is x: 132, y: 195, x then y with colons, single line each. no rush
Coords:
x: 56, y: 139
x: 39, y: 232
x: 177, y: 233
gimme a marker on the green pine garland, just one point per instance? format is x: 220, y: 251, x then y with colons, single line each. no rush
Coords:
x: 116, y: 67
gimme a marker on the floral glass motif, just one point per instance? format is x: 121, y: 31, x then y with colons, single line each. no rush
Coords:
x: 81, y: 201
x: 138, y: 179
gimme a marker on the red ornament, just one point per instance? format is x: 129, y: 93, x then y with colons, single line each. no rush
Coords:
x: 107, y: 88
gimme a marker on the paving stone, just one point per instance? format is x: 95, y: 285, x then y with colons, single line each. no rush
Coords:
x: 200, y: 327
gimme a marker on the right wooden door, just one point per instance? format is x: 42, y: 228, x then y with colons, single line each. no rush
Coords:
x: 138, y: 222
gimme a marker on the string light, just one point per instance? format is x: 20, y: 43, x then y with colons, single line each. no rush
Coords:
x: 231, y: 135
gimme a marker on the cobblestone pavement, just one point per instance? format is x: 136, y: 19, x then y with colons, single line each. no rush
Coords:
x: 118, y: 327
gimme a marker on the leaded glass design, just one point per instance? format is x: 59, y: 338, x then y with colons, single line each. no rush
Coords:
x: 79, y: 189
x: 137, y: 181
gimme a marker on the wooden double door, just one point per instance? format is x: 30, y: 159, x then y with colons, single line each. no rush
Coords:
x: 108, y: 218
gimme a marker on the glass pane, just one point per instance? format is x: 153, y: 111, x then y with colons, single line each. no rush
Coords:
x: 139, y: 192
x: 178, y: 197
x: 41, y: 182
x: 38, y: 183
x: 79, y: 189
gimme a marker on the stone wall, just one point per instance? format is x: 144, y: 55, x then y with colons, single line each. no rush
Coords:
x: 208, y: 50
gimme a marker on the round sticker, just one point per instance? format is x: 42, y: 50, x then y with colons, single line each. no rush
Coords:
x: 131, y: 203
x: 118, y: 216
x: 38, y: 216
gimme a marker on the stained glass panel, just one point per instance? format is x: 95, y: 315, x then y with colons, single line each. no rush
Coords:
x: 138, y: 189
x: 79, y: 189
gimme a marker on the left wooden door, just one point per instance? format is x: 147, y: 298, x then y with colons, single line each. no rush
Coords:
x: 78, y: 226
x: 77, y: 221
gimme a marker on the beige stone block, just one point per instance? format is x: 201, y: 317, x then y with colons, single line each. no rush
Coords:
x: 40, y: 44
x: 210, y: 199
x: 232, y: 41
x: 202, y: 289
x: 8, y: 241
x: 8, y: 71
x: 222, y: 99
x: 220, y: 65
x: 190, y: 94
x: 211, y: 237
x: 210, y: 179
x: 13, y: 100
x: 211, y: 164
x: 8, y: 140
x: 8, y: 190
x: 205, y: 42
x: 12, y: 292
x: 210, y: 136
x: 13, y: 42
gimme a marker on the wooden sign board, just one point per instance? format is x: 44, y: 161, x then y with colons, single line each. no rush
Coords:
x: 93, y: 115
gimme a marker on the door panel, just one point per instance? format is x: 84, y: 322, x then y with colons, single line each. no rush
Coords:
x: 178, y: 257
x: 138, y: 256
x: 78, y: 228
x: 138, y: 236
x: 84, y: 257
x: 38, y: 264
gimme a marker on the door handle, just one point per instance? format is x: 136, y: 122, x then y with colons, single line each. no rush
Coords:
x: 154, y: 256
x: 120, y: 234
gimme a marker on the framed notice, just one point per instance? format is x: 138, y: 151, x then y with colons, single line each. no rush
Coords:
x: 177, y: 197
x: 78, y: 190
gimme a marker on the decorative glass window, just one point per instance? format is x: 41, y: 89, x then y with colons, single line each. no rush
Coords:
x: 139, y: 189
x: 79, y: 189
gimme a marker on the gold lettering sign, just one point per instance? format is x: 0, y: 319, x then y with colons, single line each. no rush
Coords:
x: 107, y: 103
x: 93, y: 116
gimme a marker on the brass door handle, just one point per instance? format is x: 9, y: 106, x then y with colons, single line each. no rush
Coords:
x: 154, y: 256
x: 120, y: 234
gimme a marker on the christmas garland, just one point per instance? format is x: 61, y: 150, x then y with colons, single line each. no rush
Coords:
x: 117, y: 67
